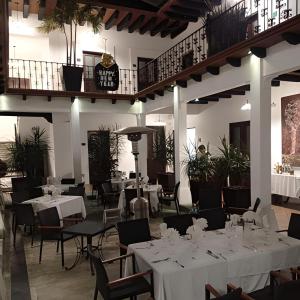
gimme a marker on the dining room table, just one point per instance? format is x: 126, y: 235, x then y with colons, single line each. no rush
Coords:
x: 150, y: 192
x: 66, y: 205
x: 182, y: 266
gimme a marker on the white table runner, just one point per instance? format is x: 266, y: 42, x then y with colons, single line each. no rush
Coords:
x: 238, y: 263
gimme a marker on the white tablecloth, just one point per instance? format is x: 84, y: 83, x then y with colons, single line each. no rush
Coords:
x: 119, y: 184
x: 240, y: 263
x: 150, y: 193
x: 286, y: 185
x: 66, y: 205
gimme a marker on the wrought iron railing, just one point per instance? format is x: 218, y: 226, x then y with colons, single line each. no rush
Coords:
x: 43, y: 75
x: 238, y: 23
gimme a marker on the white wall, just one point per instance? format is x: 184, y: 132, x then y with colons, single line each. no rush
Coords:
x: 7, y: 128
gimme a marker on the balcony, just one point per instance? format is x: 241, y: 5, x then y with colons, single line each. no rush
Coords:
x: 226, y: 38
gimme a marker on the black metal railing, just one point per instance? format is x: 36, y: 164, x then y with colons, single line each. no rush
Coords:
x: 43, y: 75
x: 238, y: 23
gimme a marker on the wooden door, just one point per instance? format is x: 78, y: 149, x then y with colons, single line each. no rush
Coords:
x: 146, y: 73
x: 90, y: 60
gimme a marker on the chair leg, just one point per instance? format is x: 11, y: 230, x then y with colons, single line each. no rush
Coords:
x: 177, y: 206
x: 41, y: 250
x: 32, y: 234
x: 121, y: 268
x: 62, y: 253
x: 57, y: 246
x: 96, y: 293
x: 15, y: 233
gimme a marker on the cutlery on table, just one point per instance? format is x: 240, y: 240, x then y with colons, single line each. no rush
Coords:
x: 159, y: 260
x: 209, y: 252
x: 178, y: 263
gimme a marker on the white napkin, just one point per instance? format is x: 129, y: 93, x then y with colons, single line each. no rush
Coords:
x: 234, y: 219
x: 251, y: 216
x: 200, y: 223
x: 171, y: 234
x: 195, y: 232
x: 163, y: 227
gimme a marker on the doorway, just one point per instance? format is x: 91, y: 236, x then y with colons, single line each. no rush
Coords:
x: 239, y: 136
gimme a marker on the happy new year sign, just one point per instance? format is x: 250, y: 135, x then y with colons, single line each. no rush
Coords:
x: 107, y: 79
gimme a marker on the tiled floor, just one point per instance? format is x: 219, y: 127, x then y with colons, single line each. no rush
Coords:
x: 48, y: 281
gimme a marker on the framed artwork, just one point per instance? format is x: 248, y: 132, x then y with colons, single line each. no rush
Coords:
x: 290, y: 121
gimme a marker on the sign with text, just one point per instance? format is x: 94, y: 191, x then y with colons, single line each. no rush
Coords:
x: 107, y: 79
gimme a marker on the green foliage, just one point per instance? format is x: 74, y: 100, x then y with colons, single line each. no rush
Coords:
x: 70, y: 12
x: 104, y: 149
x: 3, y: 168
x: 199, y: 167
x: 232, y: 162
x: 204, y: 168
x: 163, y: 148
x: 28, y: 156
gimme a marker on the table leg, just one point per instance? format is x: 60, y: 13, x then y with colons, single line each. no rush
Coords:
x: 89, y: 246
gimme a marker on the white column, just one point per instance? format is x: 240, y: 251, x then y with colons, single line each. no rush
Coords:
x: 260, y: 133
x: 141, y: 121
x: 180, y: 132
x: 75, y: 139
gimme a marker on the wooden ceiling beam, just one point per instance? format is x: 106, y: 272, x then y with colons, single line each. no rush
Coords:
x: 192, y: 4
x: 181, y: 17
x: 26, y: 8
x: 224, y: 95
x: 196, y: 77
x: 198, y: 101
x: 210, y: 98
x: 179, y: 30
x: 136, y: 24
x: 148, y: 25
x: 291, y: 37
x: 42, y: 10
x: 159, y: 93
x: 234, y: 61
x: 159, y: 27
x: 111, y: 21
x: 124, y: 22
x: 288, y: 77
x: 182, y: 83
x: 187, y: 11
x: 151, y: 96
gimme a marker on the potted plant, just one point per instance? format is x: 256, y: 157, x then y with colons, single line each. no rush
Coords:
x: 29, y: 156
x: 66, y: 17
x: 233, y: 168
x: 200, y: 169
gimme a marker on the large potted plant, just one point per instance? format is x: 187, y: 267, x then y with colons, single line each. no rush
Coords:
x: 29, y: 156
x: 200, y: 169
x: 66, y: 17
x: 233, y: 168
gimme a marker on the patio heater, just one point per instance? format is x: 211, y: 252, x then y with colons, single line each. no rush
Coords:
x: 139, y: 205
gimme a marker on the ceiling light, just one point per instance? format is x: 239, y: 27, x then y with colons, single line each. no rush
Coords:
x: 273, y: 104
x: 197, y: 100
x: 246, y: 106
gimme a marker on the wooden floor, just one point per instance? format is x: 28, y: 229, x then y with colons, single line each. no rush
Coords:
x: 48, y: 281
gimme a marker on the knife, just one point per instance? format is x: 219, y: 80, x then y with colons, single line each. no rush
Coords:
x: 212, y: 254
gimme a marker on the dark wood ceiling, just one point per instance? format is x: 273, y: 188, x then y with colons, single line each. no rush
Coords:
x: 163, y: 17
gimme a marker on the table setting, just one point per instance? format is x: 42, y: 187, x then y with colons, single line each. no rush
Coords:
x: 216, y: 257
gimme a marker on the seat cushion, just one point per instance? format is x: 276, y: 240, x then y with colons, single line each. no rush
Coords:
x: 233, y: 295
x: 262, y: 294
x: 131, y: 288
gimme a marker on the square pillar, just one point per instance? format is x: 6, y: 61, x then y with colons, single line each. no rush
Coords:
x: 180, y: 141
x: 141, y: 121
x: 260, y: 133
x: 75, y: 140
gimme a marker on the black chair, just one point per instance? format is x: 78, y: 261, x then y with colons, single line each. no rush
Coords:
x: 129, y: 195
x: 294, y: 226
x: 167, y: 181
x: 281, y: 287
x: 20, y: 196
x: 240, y: 210
x: 179, y: 222
x: 232, y: 293
x: 50, y: 230
x: 131, y: 232
x: 237, y: 196
x: 132, y: 175
x: 166, y: 197
x: 24, y: 215
x: 127, y: 287
x: 76, y: 191
x: 67, y: 181
x: 81, y: 184
x: 19, y: 184
x: 108, y: 194
x: 36, y: 192
x: 215, y: 217
x: 209, y: 198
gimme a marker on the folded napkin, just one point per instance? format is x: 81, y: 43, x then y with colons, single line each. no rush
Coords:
x: 163, y: 227
x: 195, y: 232
x: 200, y: 223
x: 251, y: 216
x: 235, y: 219
x: 171, y: 234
